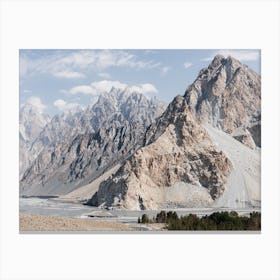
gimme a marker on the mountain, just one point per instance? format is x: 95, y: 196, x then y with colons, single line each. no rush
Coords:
x: 81, y: 147
x: 227, y: 95
x: 201, y: 152
x: 31, y: 123
x: 180, y: 162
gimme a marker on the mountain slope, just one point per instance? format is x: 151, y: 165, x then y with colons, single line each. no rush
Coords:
x: 243, y: 188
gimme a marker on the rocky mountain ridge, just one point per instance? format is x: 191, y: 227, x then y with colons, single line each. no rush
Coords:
x: 78, y: 148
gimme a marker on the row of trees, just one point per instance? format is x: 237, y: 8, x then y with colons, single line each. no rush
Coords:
x: 215, y: 221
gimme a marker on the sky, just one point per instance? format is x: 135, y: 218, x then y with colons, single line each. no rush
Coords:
x: 56, y: 81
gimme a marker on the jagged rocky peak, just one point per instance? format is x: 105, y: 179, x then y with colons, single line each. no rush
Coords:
x: 133, y: 105
x: 77, y: 149
x: 172, y: 114
x: 179, y: 167
x: 227, y: 94
x: 31, y: 122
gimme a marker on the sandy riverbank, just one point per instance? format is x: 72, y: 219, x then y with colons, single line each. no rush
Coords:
x: 30, y: 222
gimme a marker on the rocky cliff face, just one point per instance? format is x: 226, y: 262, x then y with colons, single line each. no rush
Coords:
x: 180, y: 161
x: 79, y: 148
x: 227, y: 95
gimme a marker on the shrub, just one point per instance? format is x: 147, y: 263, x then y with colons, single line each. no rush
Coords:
x: 145, y: 219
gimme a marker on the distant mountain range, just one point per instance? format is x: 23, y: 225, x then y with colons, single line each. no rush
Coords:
x: 31, y: 123
x: 202, y: 150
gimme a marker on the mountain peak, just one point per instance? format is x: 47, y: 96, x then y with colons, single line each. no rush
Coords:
x: 31, y: 120
x: 222, y: 61
x: 218, y: 59
x: 227, y: 95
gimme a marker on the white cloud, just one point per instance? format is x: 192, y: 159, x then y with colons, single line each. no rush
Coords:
x: 64, y: 106
x: 164, y: 70
x: 149, y: 88
x: 64, y: 91
x: 187, y: 65
x: 135, y: 89
x: 59, y: 103
x: 107, y: 59
x: 141, y: 89
x: 104, y: 75
x: 97, y: 88
x: 69, y: 75
x: 58, y: 61
x: 36, y: 102
x: 106, y: 86
x: 27, y: 91
x: 84, y: 89
x: 242, y: 55
x: 146, y: 89
x: 93, y: 99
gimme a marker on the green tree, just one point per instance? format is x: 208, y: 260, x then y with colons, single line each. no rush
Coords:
x: 145, y: 219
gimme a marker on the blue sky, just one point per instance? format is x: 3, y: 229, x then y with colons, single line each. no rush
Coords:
x: 59, y: 80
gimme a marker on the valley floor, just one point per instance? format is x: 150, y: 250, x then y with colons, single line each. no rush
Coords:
x: 49, y: 215
x: 31, y: 222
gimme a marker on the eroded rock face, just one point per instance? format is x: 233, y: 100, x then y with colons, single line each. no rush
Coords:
x: 227, y: 95
x: 255, y: 131
x: 180, y: 151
